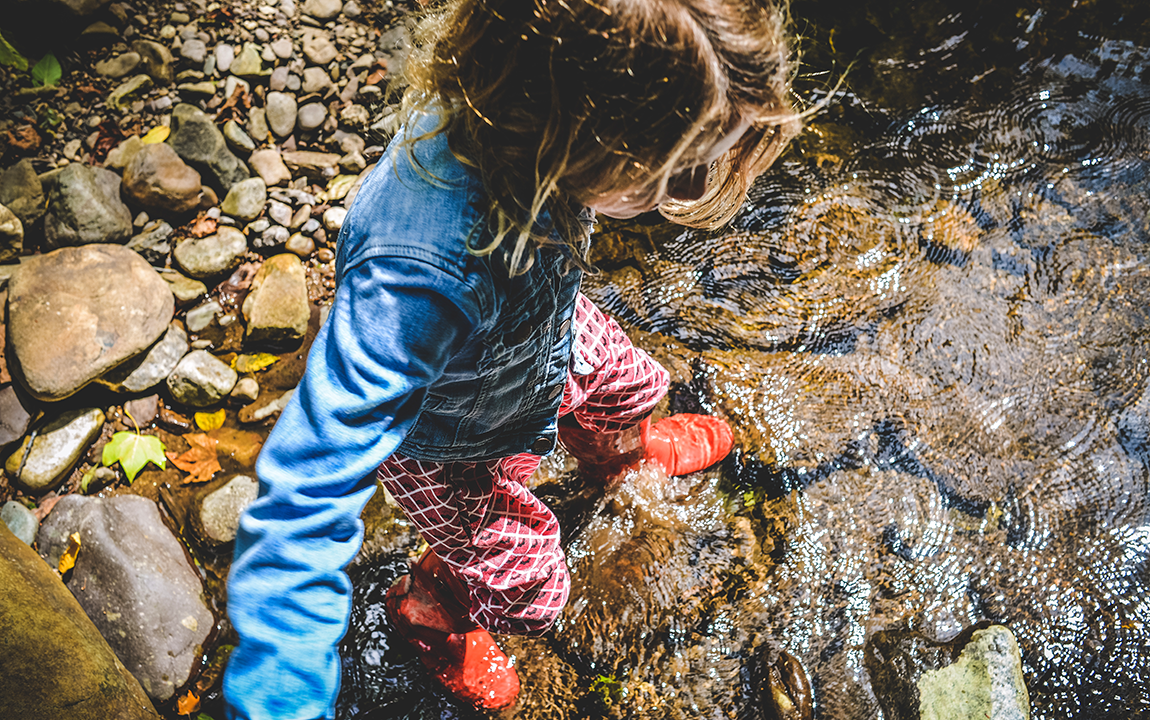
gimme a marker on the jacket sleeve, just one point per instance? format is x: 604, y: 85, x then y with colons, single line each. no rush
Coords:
x: 392, y: 329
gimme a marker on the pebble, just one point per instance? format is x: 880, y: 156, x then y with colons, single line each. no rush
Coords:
x: 262, y: 35
x: 167, y: 32
x: 155, y: 61
x: 272, y: 239
x: 247, y: 389
x: 318, y: 47
x: 281, y: 112
x: 293, y: 82
x: 279, y: 212
x: 194, y: 50
x: 279, y: 79
x: 310, y: 226
x: 355, y: 116
x: 272, y: 408
x: 322, y: 9
x: 159, y: 180
x: 232, y: 83
x: 200, y: 143
x: 20, y: 521
x: 352, y: 9
x: 270, y: 166
x: 325, y: 255
x: 238, y: 139
x: 54, y: 451
x: 302, y: 215
x: 11, y: 235
x: 257, y: 125
x: 282, y: 48
x: 225, y: 55
x: 184, y: 288
x: 207, y: 88
x: 152, y: 243
x: 267, y: 54
x: 129, y: 91
x: 249, y: 62
x: 201, y: 379
x: 311, y: 116
x: 316, y: 80
x: 333, y: 218
x: 245, y: 201
x: 300, y: 244
x: 118, y: 66
x: 201, y: 316
x: 123, y: 153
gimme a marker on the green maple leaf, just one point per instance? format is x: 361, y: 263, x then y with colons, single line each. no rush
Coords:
x: 133, y: 451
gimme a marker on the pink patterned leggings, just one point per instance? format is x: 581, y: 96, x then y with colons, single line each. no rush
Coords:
x: 481, y: 519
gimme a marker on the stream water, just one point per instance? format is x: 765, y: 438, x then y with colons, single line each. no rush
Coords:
x: 929, y: 330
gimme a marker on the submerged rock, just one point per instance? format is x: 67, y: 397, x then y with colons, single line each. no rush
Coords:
x: 43, y: 460
x: 220, y: 509
x: 57, y: 666
x: 985, y: 682
x: 134, y: 580
x: 76, y: 313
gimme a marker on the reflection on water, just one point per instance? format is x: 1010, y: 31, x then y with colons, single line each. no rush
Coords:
x: 931, y: 338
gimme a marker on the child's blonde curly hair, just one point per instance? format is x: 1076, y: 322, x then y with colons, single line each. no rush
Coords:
x: 557, y: 102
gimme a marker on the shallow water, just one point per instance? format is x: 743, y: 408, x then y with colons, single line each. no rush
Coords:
x: 929, y: 329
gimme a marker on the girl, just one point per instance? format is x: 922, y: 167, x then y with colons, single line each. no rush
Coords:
x: 459, y: 350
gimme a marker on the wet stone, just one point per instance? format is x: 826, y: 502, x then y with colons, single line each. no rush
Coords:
x: 213, y: 255
x: 143, y: 409
x: 118, y: 66
x: 201, y: 379
x: 333, y: 218
x: 300, y: 245
x: 985, y: 682
x: 277, y: 308
x: 11, y: 235
x: 281, y: 113
x: 129, y: 91
x: 245, y: 201
x: 220, y: 509
x: 247, y: 389
x: 270, y: 166
x: 159, y: 180
x: 134, y: 580
x: 20, y: 521
x: 152, y: 244
x: 155, y: 61
x: 259, y: 413
x: 78, y: 312
x: 153, y: 367
x: 318, y: 47
x: 201, y: 316
x: 84, y: 207
x: 184, y: 288
x: 54, y: 451
x: 197, y: 140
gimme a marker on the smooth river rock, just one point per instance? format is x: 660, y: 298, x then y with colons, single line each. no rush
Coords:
x: 220, y: 509
x: 157, y: 179
x: 57, y: 666
x: 985, y: 682
x: 76, y: 313
x: 48, y: 456
x: 197, y: 140
x: 20, y: 521
x: 245, y: 201
x: 134, y: 580
x: 153, y: 368
x: 201, y: 379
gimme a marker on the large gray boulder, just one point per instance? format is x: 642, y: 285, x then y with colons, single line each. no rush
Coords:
x: 57, y: 666
x: 76, y: 313
x: 84, y: 207
x: 200, y: 143
x: 134, y: 580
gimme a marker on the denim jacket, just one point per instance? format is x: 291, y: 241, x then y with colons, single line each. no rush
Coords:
x: 429, y: 350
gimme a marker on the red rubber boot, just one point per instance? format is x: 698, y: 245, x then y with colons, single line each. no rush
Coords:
x: 680, y: 444
x: 425, y: 608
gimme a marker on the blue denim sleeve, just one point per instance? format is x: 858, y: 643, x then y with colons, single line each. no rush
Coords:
x: 391, y: 331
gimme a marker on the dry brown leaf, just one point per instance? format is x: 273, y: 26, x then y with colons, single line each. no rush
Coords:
x: 45, y: 507
x: 203, y: 226
x: 201, y: 461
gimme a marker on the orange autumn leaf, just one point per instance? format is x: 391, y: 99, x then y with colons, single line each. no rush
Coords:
x: 68, y: 558
x: 188, y: 704
x: 201, y: 461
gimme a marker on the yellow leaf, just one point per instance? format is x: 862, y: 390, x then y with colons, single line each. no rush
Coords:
x: 68, y: 559
x: 253, y: 363
x: 157, y: 134
x: 187, y: 704
x: 210, y: 421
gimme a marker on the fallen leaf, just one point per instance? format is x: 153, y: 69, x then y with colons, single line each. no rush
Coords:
x: 46, y: 506
x: 201, y: 461
x: 253, y: 363
x: 24, y: 139
x: 211, y: 421
x: 187, y: 704
x: 68, y: 558
x: 87, y: 479
x: 157, y: 134
x: 203, y: 226
x: 133, y: 451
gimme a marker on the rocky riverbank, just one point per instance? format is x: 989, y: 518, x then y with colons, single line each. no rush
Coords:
x: 168, y: 213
